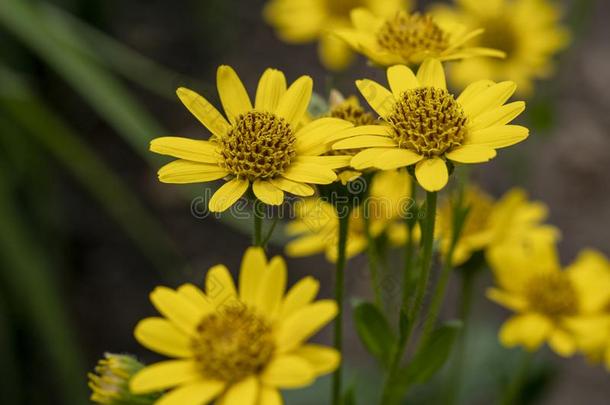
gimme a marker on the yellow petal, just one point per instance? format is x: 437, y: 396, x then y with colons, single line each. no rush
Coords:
x: 270, y: 396
x: 528, y: 330
x: 432, y: 174
x: 508, y: 300
x: 294, y: 103
x: 473, y: 90
x: 334, y: 53
x: 177, y: 309
x: 163, y: 375
x: 288, y: 372
x: 197, y: 393
x: 431, y: 74
x: 267, y: 192
x: 232, y: 92
x: 300, y: 295
x: 323, y: 359
x: 401, y: 79
x: 395, y: 158
x: 205, y: 112
x: 161, y: 336
x: 364, y: 20
x: 471, y: 154
x: 314, y: 138
x: 184, y: 148
x: 367, y: 158
x: 309, y: 173
x: 379, y: 98
x: 330, y: 162
x: 253, y: 265
x: 228, y: 194
x: 244, y: 392
x: 498, y: 116
x: 498, y: 137
x: 184, y: 171
x: 219, y: 286
x: 489, y: 99
x: 350, y: 132
x: 307, y: 245
x: 562, y: 343
x: 365, y: 141
x: 271, y: 88
x: 272, y: 286
x: 196, y: 297
x: 293, y: 187
x: 304, y: 323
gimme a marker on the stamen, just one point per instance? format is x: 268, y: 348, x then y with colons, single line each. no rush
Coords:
x: 552, y: 294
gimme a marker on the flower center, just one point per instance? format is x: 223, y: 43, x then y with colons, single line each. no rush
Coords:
x: 552, y: 294
x: 410, y: 35
x: 259, y: 145
x: 233, y: 344
x: 342, y: 8
x: 428, y: 121
x: 499, y: 34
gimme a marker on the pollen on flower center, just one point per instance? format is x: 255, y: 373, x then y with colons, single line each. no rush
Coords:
x: 428, y: 121
x: 411, y: 35
x: 259, y: 145
x: 552, y: 294
x: 233, y: 344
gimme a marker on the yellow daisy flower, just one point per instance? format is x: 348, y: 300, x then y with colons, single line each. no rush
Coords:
x: 492, y: 224
x: 529, y: 48
x: 425, y: 125
x: 317, y: 225
x: 409, y: 38
x: 303, y: 21
x: 235, y: 347
x: 547, y: 301
x: 263, y: 145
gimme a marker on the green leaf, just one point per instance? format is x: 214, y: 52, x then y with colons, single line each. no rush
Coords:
x: 374, y: 331
x: 433, y: 355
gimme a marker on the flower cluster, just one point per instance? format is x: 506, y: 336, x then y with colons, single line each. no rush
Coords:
x: 365, y: 181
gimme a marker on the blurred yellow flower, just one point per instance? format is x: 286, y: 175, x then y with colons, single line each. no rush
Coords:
x: 425, y: 125
x: 492, y: 224
x: 109, y: 382
x: 547, y: 301
x: 235, y: 346
x: 409, y: 38
x: 263, y: 145
x: 528, y: 31
x: 302, y: 21
x: 317, y: 225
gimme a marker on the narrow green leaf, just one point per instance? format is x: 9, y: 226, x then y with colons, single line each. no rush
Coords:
x: 433, y: 354
x: 374, y: 331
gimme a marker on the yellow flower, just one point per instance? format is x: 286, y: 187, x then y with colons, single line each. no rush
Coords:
x: 263, y: 145
x: 593, y: 330
x: 236, y: 347
x: 528, y: 31
x: 493, y: 224
x: 317, y: 225
x: 426, y: 125
x: 309, y: 20
x: 547, y: 301
x: 110, y: 381
x: 409, y: 38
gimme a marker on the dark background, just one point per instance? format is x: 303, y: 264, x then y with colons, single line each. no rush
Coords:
x: 88, y: 231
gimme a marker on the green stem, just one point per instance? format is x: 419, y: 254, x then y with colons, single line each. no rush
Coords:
x: 410, y: 222
x: 257, y: 235
x: 420, y: 289
x: 270, y: 232
x: 339, y: 297
x: 373, y: 258
x: 511, y: 396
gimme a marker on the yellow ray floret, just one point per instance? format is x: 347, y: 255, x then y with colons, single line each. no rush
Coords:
x: 405, y: 38
x: 426, y: 126
x: 236, y: 345
x: 262, y: 145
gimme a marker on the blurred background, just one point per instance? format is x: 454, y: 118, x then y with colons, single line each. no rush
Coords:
x: 86, y: 230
